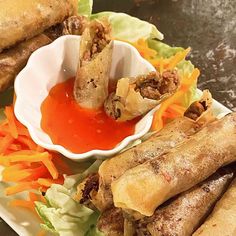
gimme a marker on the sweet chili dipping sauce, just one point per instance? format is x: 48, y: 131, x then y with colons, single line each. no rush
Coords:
x: 79, y: 129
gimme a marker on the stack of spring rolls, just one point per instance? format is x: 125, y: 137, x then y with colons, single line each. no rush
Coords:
x: 176, y: 181
x: 27, y: 25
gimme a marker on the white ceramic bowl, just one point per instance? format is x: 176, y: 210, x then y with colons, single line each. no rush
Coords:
x: 57, y: 62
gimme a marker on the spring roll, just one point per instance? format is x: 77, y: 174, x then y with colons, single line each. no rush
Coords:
x: 24, y: 19
x: 92, y: 77
x: 184, y: 214
x: 173, y: 133
x: 222, y: 221
x: 14, y: 59
x: 136, y: 96
x: 74, y: 25
x: 145, y: 187
x: 111, y: 222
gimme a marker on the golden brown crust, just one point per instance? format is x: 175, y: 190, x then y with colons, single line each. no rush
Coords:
x: 145, y: 187
x: 222, y: 220
x: 92, y: 77
x: 111, y: 222
x: 184, y: 214
x: 14, y: 59
x: 24, y: 19
x: 169, y: 137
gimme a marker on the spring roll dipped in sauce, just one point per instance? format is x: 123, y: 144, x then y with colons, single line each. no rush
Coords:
x: 24, y: 19
x: 136, y: 96
x: 222, y: 221
x: 181, y: 216
x: 92, y: 78
x: 145, y: 187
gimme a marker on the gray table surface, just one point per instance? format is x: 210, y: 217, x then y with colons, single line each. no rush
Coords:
x: 208, y: 26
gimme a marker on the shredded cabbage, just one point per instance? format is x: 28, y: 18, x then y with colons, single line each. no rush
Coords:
x: 63, y: 215
x: 128, y: 28
x: 85, y: 7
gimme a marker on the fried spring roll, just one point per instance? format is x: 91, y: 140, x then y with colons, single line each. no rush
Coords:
x: 14, y: 59
x: 111, y: 222
x: 91, y: 83
x: 24, y: 19
x: 137, y: 96
x: 222, y: 221
x: 173, y: 133
x: 145, y: 187
x: 184, y: 214
x: 74, y: 25
x: 111, y: 169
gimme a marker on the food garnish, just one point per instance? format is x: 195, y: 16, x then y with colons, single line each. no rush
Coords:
x: 26, y: 164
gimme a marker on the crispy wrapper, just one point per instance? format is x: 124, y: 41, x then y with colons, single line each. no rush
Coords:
x: 143, y: 188
x: 111, y: 222
x: 185, y: 213
x: 24, y: 19
x: 136, y: 96
x: 159, y: 143
x: 222, y: 220
x: 91, y: 83
x: 14, y: 59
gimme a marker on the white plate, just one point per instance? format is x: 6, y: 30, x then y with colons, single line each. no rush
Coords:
x: 24, y: 222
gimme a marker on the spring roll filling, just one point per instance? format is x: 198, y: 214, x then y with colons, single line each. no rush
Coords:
x: 100, y: 33
x: 154, y: 85
x: 90, y: 184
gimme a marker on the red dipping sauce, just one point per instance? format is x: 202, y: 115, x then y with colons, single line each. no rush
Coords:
x: 79, y: 129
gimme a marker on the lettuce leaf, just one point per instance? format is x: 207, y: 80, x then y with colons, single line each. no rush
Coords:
x: 63, y: 215
x: 85, y: 7
x: 126, y: 27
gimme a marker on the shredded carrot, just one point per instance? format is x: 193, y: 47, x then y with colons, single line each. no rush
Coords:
x: 176, y: 110
x: 179, y: 56
x: 5, y: 143
x: 49, y: 182
x: 26, y: 165
x: 20, y: 187
x: 158, y: 62
x: 28, y: 158
x: 19, y: 175
x: 14, y: 147
x: 28, y: 142
x: 51, y: 167
x: 61, y: 164
x: 11, y: 120
x: 143, y: 48
x: 185, y: 85
x: 40, y: 149
x: 22, y: 203
x: 41, y: 233
x: 34, y: 197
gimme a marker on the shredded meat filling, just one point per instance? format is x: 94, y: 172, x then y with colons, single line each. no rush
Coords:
x: 100, y: 40
x: 74, y: 25
x: 195, y: 110
x: 90, y: 185
x: 154, y: 85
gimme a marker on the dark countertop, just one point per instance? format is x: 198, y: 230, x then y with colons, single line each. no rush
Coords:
x: 208, y: 26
